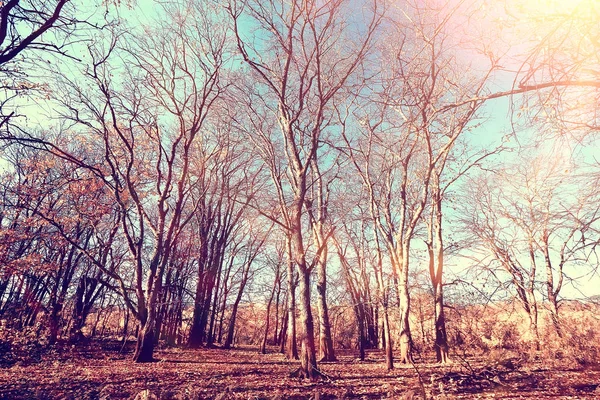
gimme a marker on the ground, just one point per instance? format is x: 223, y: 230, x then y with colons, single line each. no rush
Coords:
x: 100, y: 371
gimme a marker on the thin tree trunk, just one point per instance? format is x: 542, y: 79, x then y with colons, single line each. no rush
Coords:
x: 387, y: 338
x: 263, y: 346
x: 76, y: 334
x: 326, y: 351
x: 435, y: 246
x: 283, y: 332
x: 291, y: 349
x: 405, y: 336
x: 359, y: 313
x: 276, y: 330
x: 231, y: 328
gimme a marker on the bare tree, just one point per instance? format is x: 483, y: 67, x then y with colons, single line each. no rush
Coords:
x: 528, y: 220
x: 142, y: 129
x: 34, y: 30
x: 302, y: 74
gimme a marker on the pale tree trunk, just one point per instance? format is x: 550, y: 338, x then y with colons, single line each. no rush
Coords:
x: 291, y: 347
x: 533, y: 320
x: 356, y: 298
x: 526, y: 297
x: 384, y: 299
x: 555, y: 317
x: 530, y: 295
x: 389, y: 356
x: 326, y: 351
x: 317, y: 220
x: 441, y: 337
x: 308, y: 357
x: 276, y: 330
x: 551, y: 291
x: 405, y: 336
x: 435, y: 247
x: 144, y: 349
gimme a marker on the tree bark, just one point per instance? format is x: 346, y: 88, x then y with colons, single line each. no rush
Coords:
x: 441, y: 338
x: 308, y: 357
x: 144, y: 349
x: 403, y: 292
x: 435, y: 246
x: 387, y: 335
x: 291, y: 348
x: 263, y: 346
x: 236, y: 304
x: 326, y: 351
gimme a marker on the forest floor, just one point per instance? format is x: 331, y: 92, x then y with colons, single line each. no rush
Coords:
x: 100, y: 371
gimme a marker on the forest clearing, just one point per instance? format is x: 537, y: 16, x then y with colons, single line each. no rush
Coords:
x: 303, y: 199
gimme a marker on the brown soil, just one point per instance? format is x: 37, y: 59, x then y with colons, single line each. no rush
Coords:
x: 101, y: 372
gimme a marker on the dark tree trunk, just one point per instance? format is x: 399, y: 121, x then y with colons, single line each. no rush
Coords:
x: 359, y: 314
x: 263, y: 346
x: 195, y: 338
x: 144, y: 350
x: 78, y: 317
x: 231, y: 328
x: 283, y: 333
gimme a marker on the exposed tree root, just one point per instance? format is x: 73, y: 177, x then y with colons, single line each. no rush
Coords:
x: 317, y: 375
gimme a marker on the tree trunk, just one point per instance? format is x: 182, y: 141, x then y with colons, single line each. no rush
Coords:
x: 126, y: 326
x: 441, y: 338
x: 78, y: 320
x: 283, y: 333
x: 405, y: 337
x: 214, y: 309
x: 195, y: 338
x: 231, y: 328
x: 54, y: 323
x: 308, y: 357
x: 555, y: 318
x: 372, y: 316
x: 387, y: 338
x: 383, y: 297
x: 533, y: 319
x: 359, y: 313
x: 263, y: 346
x: 276, y: 331
x: 550, y: 289
x: 144, y: 349
x: 326, y: 352
x: 291, y: 349
x: 435, y: 247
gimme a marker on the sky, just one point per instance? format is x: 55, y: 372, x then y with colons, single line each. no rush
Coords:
x: 500, y: 116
